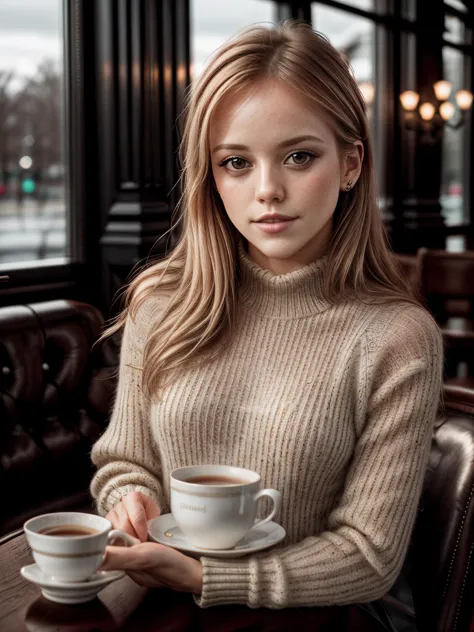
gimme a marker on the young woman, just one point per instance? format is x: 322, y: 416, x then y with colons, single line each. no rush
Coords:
x: 278, y: 336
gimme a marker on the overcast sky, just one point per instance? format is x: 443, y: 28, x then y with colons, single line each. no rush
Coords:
x: 213, y: 21
x: 31, y: 30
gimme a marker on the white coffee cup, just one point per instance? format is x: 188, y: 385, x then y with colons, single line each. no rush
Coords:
x: 71, y: 558
x: 217, y: 516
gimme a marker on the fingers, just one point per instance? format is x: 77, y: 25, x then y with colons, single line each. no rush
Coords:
x: 112, y: 516
x: 119, y: 519
x: 132, y: 513
x: 127, y: 558
x: 151, y: 508
x: 136, y: 514
x: 114, y: 559
x: 156, y: 565
x: 126, y: 523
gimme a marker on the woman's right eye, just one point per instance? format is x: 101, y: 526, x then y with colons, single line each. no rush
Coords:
x: 237, y: 163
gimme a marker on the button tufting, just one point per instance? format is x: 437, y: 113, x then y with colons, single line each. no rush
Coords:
x: 6, y: 370
x: 45, y: 366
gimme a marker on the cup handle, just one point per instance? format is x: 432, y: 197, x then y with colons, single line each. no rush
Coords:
x: 116, y: 534
x: 276, y: 497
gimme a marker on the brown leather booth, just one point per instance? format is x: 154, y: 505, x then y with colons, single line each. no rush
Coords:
x: 55, y: 396
x: 439, y: 568
x: 448, y: 291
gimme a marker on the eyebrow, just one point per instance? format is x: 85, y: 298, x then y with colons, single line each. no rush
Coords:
x: 285, y: 143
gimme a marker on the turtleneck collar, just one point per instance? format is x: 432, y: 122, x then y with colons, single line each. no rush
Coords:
x: 292, y: 295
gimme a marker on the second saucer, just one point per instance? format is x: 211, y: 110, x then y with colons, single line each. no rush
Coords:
x: 164, y: 530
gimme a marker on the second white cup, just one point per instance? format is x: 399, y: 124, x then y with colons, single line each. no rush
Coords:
x: 216, y: 505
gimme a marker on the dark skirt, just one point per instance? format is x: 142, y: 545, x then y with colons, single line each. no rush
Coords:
x: 370, y: 617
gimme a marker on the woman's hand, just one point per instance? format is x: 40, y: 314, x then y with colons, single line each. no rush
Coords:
x: 132, y: 513
x: 156, y: 566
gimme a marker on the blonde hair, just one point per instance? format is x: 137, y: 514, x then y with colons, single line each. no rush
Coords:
x: 201, y: 272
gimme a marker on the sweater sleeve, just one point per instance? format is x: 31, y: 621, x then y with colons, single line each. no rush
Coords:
x: 358, y: 557
x: 124, y: 455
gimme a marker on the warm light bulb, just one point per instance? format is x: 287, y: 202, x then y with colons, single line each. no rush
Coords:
x: 409, y: 100
x: 446, y: 110
x: 442, y: 90
x: 368, y: 91
x: 464, y: 99
x: 427, y: 111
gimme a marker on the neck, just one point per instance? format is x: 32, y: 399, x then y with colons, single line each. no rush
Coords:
x: 295, y: 294
x: 283, y: 266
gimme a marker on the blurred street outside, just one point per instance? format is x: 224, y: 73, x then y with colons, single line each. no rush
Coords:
x: 32, y: 230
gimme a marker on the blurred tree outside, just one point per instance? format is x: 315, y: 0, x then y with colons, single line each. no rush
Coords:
x: 32, y: 185
x: 30, y: 125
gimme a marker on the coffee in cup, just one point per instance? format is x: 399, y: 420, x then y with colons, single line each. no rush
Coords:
x: 68, y: 529
x: 216, y: 505
x: 215, y: 480
x: 70, y: 546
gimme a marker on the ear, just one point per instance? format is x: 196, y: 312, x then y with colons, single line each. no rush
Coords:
x: 352, y: 165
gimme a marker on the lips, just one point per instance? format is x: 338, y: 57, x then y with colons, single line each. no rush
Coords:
x: 274, y: 227
x: 273, y: 221
x: 274, y: 218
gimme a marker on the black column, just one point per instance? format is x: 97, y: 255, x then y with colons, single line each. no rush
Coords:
x: 301, y: 10
x: 418, y: 221
x: 142, y: 72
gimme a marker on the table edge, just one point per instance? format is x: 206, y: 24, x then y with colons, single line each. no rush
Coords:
x: 10, y: 536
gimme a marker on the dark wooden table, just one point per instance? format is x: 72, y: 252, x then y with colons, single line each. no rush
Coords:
x: 123, y: 605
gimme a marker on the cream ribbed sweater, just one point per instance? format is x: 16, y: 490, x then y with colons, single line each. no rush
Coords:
x: 333, y: 406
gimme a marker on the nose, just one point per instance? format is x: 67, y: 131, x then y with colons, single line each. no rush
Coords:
x: 269, y: 187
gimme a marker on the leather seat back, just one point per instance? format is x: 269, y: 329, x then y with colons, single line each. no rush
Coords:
x: 55, y: 396
x: 442, y: 576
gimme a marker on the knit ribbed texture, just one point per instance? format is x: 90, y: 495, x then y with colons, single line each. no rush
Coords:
x: 332, y: 404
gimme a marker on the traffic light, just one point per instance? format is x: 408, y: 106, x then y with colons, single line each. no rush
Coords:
x: 28, y: 185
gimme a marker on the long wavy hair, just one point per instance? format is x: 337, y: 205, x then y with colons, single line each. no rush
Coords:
x: 201, y: 273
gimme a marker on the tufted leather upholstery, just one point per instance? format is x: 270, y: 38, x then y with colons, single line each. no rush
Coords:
x: 55, y: 395
x: 443, y: 543
x: 437, y: 581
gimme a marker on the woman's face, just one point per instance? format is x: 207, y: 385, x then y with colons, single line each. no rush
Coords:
x: 271, y: 153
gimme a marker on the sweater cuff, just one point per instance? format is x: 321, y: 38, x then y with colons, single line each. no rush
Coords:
x: 106, y: 504
x: 227, y: 581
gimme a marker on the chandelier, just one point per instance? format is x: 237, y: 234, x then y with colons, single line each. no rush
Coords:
x: 430, y: 118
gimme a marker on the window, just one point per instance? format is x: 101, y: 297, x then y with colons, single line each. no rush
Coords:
x: 32, y: 171
x: 455, y: 184
x: 454, y: 29
x: 355, y: 36
x: 367, y: 5
x: 352, y: 35
x: 454, y: 147
x: 214, y: 21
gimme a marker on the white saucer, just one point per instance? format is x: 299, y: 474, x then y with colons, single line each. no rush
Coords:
x: 69, y: 592
x: 257, y: 539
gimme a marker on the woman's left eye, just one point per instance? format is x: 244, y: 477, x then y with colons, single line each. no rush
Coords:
x: 308, y: 157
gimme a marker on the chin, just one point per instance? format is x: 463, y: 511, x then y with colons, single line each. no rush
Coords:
x: 276, y: 250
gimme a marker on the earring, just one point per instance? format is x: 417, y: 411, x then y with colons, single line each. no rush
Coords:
x: 349, y: 185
